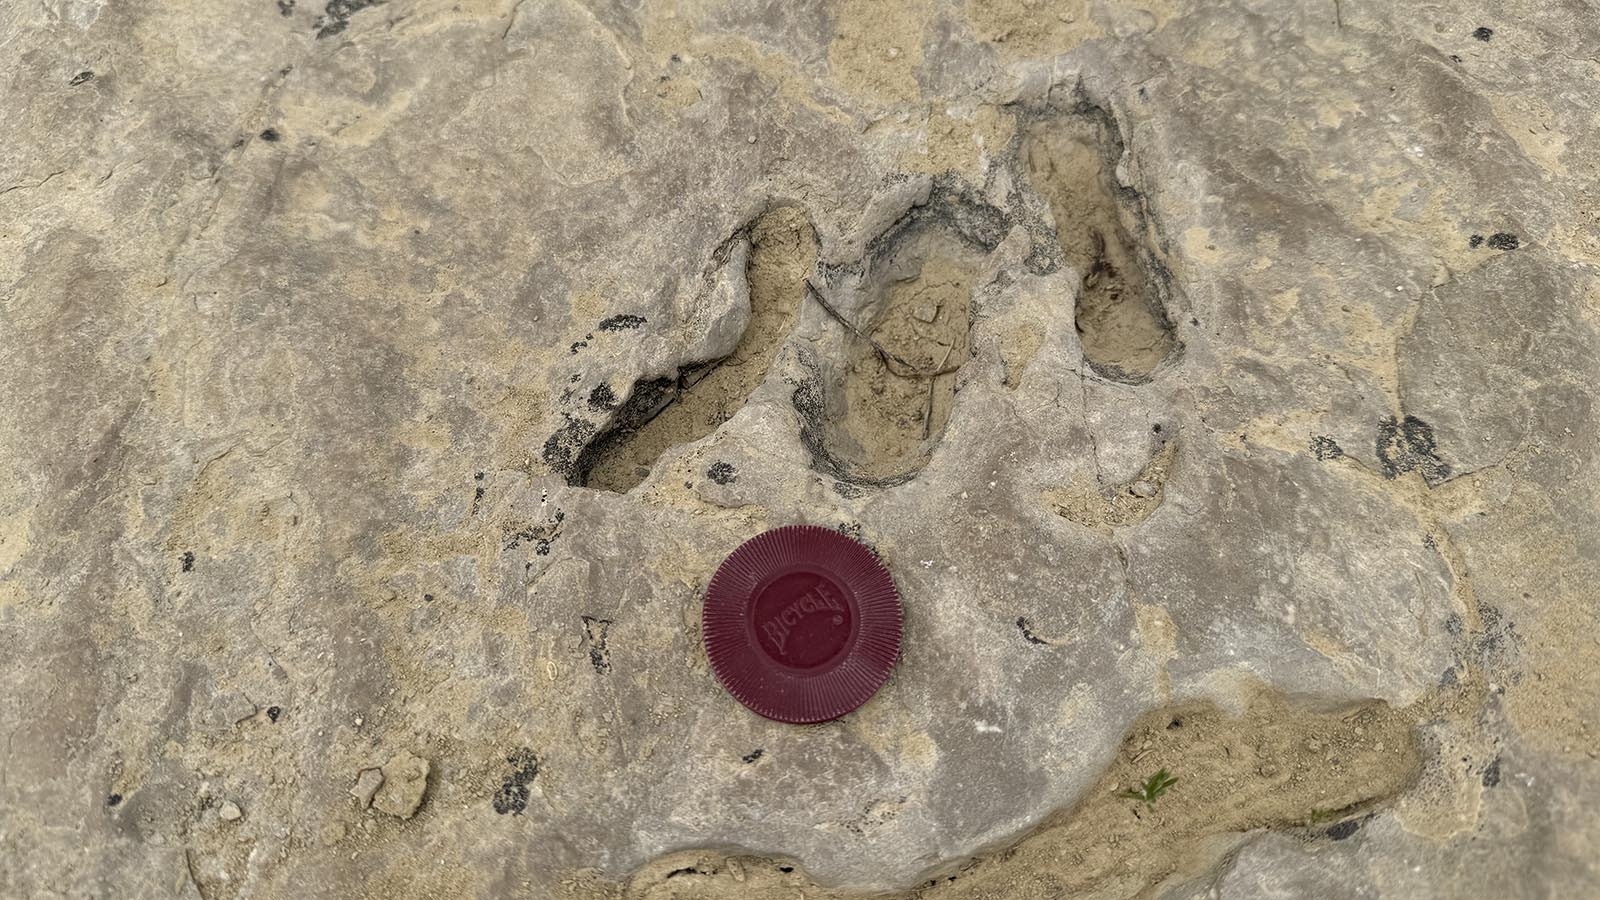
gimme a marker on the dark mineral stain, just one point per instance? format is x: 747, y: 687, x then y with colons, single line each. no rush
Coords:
x: 576, y: 346
x: 1408, y: 445
x: 1475, y: 241
x: 1483, y: 33
x: 847, y: 490
x: 594, y: 631
x: 542, y: 545
x: 686, y: 870
x: 1498, y: 645
x: 1491, y: 774
x: 1156, y: 428
x: 1344, y: 829
x: 427, y: 598
x: 81, y: 77
x: 562, y: 449
x: 113, y: 799
x: 273, y: 712
x: 188, y: 561
x: 271, y: 135
x: 753, y: 755
x: 1326, y: 447
x: 1027, y: 634
x: 602, y: 397
x: 512, y: 795
x: 722, y: 473
x: 621, y: 323
x: 336, y: 15
x: 1502, y: 240
x: 542, y: 537
x: 477, y: 476
x: 285, y: 7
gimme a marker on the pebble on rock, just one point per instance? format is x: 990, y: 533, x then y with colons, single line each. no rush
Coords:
x: 405, y: 779
x: 367, y: 784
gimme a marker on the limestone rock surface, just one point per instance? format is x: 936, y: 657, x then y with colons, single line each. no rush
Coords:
x: 1217, y: 378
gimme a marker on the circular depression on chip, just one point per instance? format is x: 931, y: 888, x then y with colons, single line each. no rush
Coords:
x: 802, y: 624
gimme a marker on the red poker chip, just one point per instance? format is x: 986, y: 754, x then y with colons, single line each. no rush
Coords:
x: 802, y: 624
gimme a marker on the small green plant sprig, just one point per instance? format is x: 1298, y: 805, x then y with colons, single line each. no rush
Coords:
x: 1151, y: 788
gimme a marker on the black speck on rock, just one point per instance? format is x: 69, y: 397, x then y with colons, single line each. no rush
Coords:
x: 1502, y: 240
x: 512, y: 795
x: 722, y: 473
x: 1344, y: 829
x: 1483, y: 33
x: 594, y: 630
x: 188, y: 561
x: 1326, y: 448
x: 285, y: 7
x: 623, y: 322
x: 1475, y: 241
x: 1408, y: 444
x: 113, y: 799
x: 1027, y: 632
x: 753, y: 755
x: 273, y: 712
x: 336, y: 15
x: 81, y: 77
x: 602, y: 397
x: 271, y: 135
x: 847, y: 490
x: 562, y: 449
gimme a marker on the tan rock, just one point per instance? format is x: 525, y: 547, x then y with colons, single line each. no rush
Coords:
x: 366, y: 786
x: 405, y: 779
